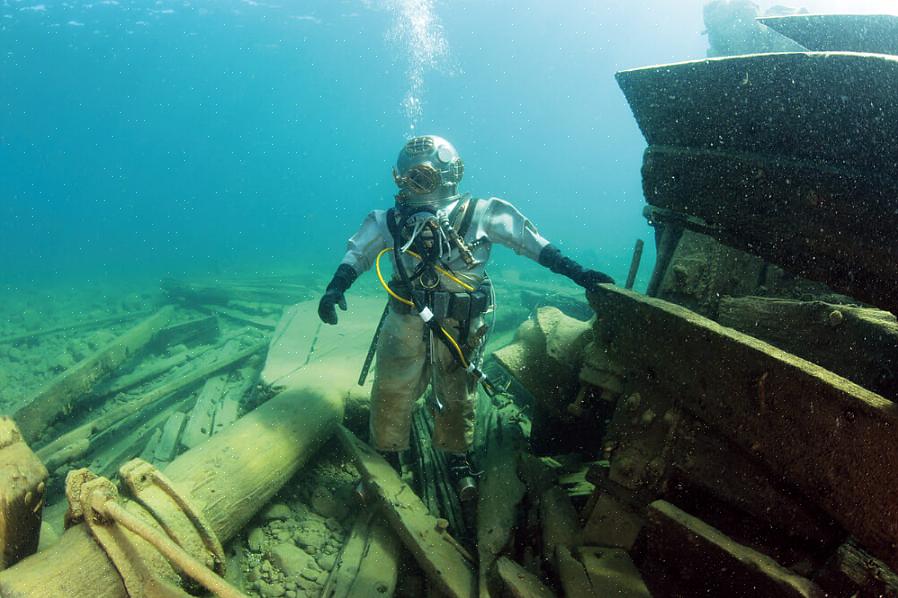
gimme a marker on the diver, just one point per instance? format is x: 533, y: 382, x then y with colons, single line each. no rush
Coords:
x: 434, y: 329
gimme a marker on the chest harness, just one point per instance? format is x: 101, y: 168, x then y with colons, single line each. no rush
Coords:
x: 430, y: 238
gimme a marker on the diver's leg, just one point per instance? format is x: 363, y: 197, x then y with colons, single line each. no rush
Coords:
x: 399, y: 379
x: 454, y: 423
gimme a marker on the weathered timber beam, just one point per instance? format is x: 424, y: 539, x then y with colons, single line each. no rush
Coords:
x: 368, y: 563
x: 500, y: 492
x: 702, y: 464
x: 831, y: 439
x: 193, y: 332
x: 88, y: 325
x: 519, y: 582
x: 66, y: 391
x: 858, y: 343
x: 51, y: 453
x: 682, y: 549
x: 831, y: 225
x: 22, y: 483
x: 227, y: 478
x: 435, y: 551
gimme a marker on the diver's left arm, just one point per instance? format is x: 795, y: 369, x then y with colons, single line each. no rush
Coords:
x: 507, y: 226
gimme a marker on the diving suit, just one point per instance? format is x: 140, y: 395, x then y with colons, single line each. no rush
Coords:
x: 439, y: 242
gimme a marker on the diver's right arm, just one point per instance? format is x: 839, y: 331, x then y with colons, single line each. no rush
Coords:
x: 361, y: 251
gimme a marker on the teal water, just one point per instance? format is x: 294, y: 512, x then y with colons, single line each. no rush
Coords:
x: 142, y: 139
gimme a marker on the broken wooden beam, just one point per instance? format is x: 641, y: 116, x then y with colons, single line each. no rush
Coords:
x: 59, y: 450
x: 86, y: 325
x: 195, y: 331
x: 222, y: 292
x: 226, y: 479
x: 22, y: 483
x: 831, y: 439
x: 686, y: 556
x: 73, y: 386
x: 436, y: 552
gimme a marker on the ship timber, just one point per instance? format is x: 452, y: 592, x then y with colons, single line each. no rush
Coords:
x: 877, y: 34
x: 792, y: 157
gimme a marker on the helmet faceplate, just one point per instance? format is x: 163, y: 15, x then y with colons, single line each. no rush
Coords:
x: 428, y: 171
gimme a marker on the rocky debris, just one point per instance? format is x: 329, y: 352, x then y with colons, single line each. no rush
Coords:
x: 292, y: 546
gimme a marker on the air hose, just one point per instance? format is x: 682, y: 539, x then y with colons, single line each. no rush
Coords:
x: 427, y: 315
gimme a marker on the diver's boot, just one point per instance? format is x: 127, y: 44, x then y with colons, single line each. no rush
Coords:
x: 463, y: 475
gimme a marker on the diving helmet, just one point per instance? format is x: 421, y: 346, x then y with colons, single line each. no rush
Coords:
x: 428, y: 171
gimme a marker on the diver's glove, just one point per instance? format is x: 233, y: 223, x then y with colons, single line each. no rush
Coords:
x: 333, y: 295
x: 551, y: 258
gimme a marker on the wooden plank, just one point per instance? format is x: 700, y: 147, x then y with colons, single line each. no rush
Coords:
x: 88, y: 325
x: 22, y: 482
x: 685, y: 553
x: 611, y: 572
x: 58, y: 451
x: 828, y: 437
x: 368, y: 564
x: 191, y: 332
x: 858, y: 343
x: 560, y: 522
x: 73, y: 386
x: 703, y: 465
x: 819, y: 222
x: 239, y: 316
x: 834, y: 108
x: 839, y: 33
x: 500, y: 491
x: 199, y: 424
x: 167, y: 448
x: 519, y: 582
x: 435, y: 551
x: 300, y: 339
x: 854, y: 572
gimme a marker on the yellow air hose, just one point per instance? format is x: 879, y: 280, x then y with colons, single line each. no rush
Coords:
x: 397, y: 297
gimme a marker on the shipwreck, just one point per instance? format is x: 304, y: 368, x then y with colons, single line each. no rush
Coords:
x: 731, y: 432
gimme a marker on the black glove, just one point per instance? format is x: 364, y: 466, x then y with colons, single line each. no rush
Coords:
x: 551, y: 258
x: 333, y: 295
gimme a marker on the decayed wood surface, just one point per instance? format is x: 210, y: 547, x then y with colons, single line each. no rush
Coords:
x: 227, y: 478
x: 500, y: 491
x: 22, y: 482
x: 368, y: 563
x: 57, y: 452
x: 682, y: 547
x: 435, y: 551
x: 830, y: 438
x: 65, y: 392
x: 858, y: 343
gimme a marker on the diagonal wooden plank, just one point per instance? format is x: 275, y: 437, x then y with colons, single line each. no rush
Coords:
x: 435, y: 551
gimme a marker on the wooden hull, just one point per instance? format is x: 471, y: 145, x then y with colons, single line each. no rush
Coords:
x: 792, y: 157
x: 839, y: 33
